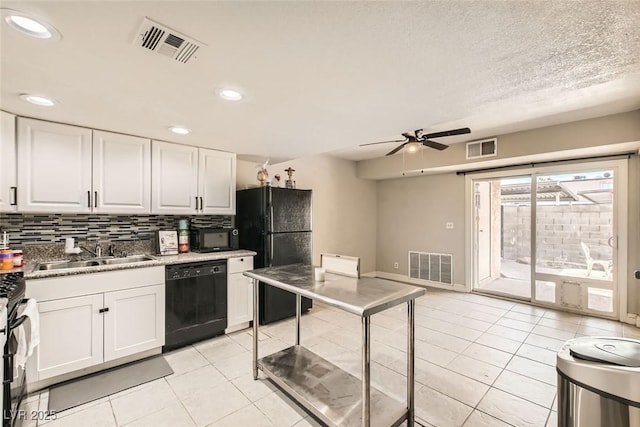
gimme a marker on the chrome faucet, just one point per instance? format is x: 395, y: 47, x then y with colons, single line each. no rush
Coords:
x: 97, y: 252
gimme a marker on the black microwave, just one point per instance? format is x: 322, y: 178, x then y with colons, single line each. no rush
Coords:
x: 213, y: 239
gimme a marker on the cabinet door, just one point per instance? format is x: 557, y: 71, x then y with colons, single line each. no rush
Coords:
x: 217, y: 182
x: 7, y: 162
x: 121, y: 173
x: 55, y: 167
x: 134, y: 322
x: 239, y: 300
x: 70, y: 335
x: 174, y: 178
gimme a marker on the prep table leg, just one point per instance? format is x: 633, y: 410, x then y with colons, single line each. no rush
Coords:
x: 366, y: 372
x: 255, y: 328
x: 410, y: 362
x: 298, y: 310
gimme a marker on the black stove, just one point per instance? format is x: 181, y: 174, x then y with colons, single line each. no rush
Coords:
x: 12, y: 287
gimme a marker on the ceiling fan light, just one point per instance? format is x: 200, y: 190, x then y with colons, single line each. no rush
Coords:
x: 413, y: 147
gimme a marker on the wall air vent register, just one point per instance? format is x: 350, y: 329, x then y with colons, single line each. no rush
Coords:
x: 431, y: 266
x: 485, y: 148
x: 163, y: 40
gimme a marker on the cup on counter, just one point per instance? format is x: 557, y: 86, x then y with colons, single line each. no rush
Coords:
x: 319, y: 274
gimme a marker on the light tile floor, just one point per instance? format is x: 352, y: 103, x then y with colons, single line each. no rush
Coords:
x: 480, y: 361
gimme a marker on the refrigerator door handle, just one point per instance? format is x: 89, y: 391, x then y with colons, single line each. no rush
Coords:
x: 270, y: 249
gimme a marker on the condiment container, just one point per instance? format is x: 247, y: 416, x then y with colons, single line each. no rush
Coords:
x: 183, y: 236
x: 6, y: 259
x: 17, y: 258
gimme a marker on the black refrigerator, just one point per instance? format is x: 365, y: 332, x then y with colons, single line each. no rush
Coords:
x: 275, y: 223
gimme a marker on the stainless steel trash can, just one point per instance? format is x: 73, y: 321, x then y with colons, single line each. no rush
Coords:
x: 599, y: 382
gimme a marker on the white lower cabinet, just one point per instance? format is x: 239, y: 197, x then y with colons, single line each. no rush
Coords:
x: 70, y: 335
x: 239, y: 293
x: 134, y: 322
x: 82, y: 328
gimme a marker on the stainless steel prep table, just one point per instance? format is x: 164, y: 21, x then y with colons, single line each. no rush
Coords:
x: 333, y: 395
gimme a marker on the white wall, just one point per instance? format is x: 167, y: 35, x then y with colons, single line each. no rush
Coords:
x: 344, y: 206
x: 412, y: 216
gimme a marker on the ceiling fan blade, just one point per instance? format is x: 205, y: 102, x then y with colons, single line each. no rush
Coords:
x: 452, y: 132
x: 435, y: 145
x: 395, y: 150
x: 383, y: 142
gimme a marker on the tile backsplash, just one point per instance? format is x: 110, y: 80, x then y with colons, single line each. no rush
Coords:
x: 36, y: 229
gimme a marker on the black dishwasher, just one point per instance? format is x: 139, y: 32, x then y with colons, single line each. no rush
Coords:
x: 196, y: 302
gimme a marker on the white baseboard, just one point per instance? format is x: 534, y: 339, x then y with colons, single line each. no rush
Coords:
x: 631, y: 319
x: 406, y: 279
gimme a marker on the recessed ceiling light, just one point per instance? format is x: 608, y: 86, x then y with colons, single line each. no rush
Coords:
x: 180, y: 130
x: 30, y: 26
x: 230, y: 95
x: 38, y: 100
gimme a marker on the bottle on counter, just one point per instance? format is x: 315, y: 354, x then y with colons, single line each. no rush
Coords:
x: 18, y: 260
x: 6, y: 259
x: 183, y: 236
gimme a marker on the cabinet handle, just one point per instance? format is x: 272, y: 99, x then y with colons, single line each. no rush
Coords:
x: 14, y: 192
x: 201, y: 204
x: 103, y: 310
x: 196, y: 203
x: 89, y: 199
x: 95, y: 199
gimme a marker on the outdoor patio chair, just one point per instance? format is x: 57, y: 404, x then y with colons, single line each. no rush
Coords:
x: 605, y: 264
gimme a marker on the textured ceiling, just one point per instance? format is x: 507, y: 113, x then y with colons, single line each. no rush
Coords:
x: 326, y: 76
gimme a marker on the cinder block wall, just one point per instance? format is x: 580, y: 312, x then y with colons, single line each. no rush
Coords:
x: 560, y: 230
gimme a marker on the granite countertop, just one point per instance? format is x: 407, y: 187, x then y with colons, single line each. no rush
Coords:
x: 30, y: 271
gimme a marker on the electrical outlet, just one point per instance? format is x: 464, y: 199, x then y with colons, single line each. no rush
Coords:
x: 449, y: 226
x: 395, y: 266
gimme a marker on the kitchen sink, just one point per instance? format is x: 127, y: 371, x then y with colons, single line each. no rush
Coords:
x: 124, y: 260
x: 57, y: 265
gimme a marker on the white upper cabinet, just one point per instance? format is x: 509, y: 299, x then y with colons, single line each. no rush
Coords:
x: 69, y: 169
x: 54, y: 173
x: 174, y: 178
x: 217, y: 182
x: 121, y: 173
x: 7, y: 162
x: 190, y: 180
x: 64, y: 168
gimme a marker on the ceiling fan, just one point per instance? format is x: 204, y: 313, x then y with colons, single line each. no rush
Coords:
x: 419, y: 138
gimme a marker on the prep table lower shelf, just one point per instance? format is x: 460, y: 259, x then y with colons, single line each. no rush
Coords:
x: 331, y: 394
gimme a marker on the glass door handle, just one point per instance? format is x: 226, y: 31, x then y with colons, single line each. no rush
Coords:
x: 611, y: 241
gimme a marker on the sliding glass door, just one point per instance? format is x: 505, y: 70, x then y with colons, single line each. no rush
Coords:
x: 575, y: 244
x: 548, y: 237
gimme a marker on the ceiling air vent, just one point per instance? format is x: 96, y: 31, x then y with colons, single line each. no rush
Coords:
x: 165, y: 41
x: 486, y: 148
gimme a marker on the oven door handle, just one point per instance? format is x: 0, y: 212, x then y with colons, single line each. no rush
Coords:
x: 12, y: 318
x: 19, y: 321
x: 14, y: 311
